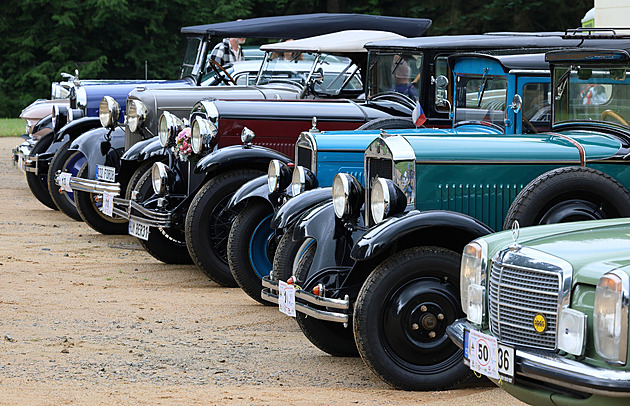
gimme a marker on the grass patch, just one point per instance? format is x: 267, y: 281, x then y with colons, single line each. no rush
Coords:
x: 11, y: 127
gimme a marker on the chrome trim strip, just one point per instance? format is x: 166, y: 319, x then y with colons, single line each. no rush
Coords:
x: 557, y: 370
x: 576, y: 144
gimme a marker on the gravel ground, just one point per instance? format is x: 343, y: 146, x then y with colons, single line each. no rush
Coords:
x: 93, y: 319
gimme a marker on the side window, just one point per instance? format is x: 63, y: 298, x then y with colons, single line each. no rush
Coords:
x: 441, y: 87
x: 536, y: 107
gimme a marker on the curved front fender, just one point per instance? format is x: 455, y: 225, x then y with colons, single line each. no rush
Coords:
x: 144, y: 150
x: 291, y: 211
x: 75, y: 128
x: 239, y: 157
x: 98, y: 150
x: 255, y: 188
x: 435, y: 227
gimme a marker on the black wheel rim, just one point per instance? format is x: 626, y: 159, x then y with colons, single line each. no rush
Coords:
x: 413, y: 325
x: 221, y: 220
x: 577, y: 210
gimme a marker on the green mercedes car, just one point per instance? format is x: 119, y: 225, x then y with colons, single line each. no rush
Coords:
x: 547, y: 311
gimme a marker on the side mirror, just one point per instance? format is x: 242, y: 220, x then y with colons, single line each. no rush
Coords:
x: 517, y: 103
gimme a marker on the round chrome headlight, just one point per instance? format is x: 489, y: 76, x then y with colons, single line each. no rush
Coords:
x: 202, y: 134
x: 136, y: 114
x: 277, y: 176
x: 347, y: 194
x: 108, y: 112
x: 169, y: 126
x: 302, y: 179
x: 59, y: 117
x: 386, y: 199
x: 247, y: 135
x: 159, y: 178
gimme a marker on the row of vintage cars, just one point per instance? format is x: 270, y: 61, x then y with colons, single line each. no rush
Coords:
x: 309, y: 185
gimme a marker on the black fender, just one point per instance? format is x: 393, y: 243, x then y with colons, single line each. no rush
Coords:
x: 254, y: 189
x: 44, y: 122
x: 442, y: 228
x: 334, y: 240
x: 101, y: 146
x: 75, y: 128
x: 238, y: 157
x: 291, y: 211
x: 145, y: 149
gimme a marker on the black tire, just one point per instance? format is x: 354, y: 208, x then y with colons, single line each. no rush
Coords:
x: 569, y: 194
x: 164, y: 244
x: 331, y: 337
x: 388, y: 123
x: 286, y: 258
x: 208, y: 224
x: 38, y: 183
x: 137, y: 175
x: 401, y: 315
x: 91, y: 214
x: 250, y: 248
x: 64, y: 160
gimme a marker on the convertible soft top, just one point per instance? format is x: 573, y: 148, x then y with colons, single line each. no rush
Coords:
x: 349, y: 41
x: 308, y: 25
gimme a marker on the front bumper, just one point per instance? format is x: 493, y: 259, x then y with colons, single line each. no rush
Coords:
x: 21, y: 155
x: 91, y: 186
x: 149, y: 217
x: 547, y: 369
x: 327, y: 309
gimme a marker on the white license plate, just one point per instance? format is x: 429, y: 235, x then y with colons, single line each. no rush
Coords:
x: 108, y: 204
x: 64, y: 181
x: 21, y: 162
x: 489, y: 357
x: 138, y: 230
x: 286, y: 298
x: 106, y: 173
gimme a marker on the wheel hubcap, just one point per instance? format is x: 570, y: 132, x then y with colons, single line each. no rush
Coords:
x: 574, y: 210
x: 262, y: 247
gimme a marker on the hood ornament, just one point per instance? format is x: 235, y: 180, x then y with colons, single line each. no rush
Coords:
x: 314, y: 128
x: 516, y: 231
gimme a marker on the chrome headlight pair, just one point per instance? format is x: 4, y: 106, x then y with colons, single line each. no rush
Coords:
x: 347, y: 194
x: 168, y: 128
x: 108, y: 112
x: 202, y: 134
x: 160, y: 175
x: 136, y: 114
x: 278, y: 176
x: 386, y: 199
x: 472, y: 280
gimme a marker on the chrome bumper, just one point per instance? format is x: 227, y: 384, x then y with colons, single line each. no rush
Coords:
x: 151, y: 218
x: 270, y: 294
x: 92, y: 186
x: 549, y: 368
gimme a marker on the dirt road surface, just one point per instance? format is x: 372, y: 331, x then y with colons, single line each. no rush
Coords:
x: 93, y: 319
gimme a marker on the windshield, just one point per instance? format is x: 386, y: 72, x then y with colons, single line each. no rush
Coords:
x: 593, y: 93
x: 480, y: 98
x: 328, y: 72
x: 394, y: 72
x: 190, y: 57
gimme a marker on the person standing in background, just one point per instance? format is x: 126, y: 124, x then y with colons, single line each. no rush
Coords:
x: 228, y: 51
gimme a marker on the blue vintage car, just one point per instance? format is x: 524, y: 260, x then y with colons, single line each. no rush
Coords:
x: 397, y: 280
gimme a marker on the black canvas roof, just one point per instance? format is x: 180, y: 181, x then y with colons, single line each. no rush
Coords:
x: 308, y: 25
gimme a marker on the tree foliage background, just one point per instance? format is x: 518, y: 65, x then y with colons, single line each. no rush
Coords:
x: 112, y: 39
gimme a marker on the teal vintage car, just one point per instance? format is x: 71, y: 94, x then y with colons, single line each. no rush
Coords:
x: 392, y: 270
x: 547, y: 312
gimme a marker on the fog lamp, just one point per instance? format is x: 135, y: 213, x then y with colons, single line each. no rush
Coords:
x: 572, y: 331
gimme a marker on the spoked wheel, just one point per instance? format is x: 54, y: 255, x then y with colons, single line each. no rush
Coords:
x: 330, y: 337
x: 250, y: 247
x: 165, y: 244
x: 89, y: 209
x: 65, y: 161
x: 401, y: 315
x: 569, y: 194
x: 38, y: 183
x: 208, y: 224
x: 288, y: 254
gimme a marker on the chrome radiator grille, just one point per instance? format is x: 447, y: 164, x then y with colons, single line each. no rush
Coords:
x: 516, y: 295
x: 304, y: 157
